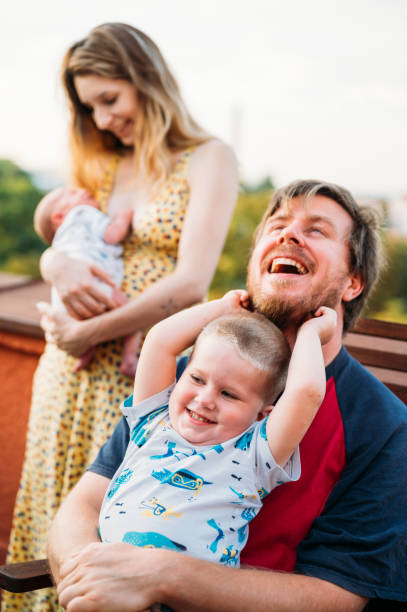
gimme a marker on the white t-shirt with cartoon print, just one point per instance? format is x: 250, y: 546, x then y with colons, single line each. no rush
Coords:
x: 198, y: 500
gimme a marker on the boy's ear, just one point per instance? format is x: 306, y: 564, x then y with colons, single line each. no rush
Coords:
x: 265, y: 411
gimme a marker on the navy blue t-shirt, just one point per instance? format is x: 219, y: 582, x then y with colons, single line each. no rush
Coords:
x: 345, y: 520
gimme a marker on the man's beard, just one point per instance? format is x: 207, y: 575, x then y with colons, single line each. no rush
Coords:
x: 285, y: 312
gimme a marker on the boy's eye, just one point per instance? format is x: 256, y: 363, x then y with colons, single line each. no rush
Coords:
x: 228, y: 394
x: 195, y: 378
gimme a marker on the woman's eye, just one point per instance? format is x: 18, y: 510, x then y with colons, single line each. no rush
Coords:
x: 110, y: 101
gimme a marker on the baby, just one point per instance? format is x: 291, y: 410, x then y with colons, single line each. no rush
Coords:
x: 70, y: 220
x: 204, y: 452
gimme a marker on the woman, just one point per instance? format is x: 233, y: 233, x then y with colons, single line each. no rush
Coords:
x: 133, y: 143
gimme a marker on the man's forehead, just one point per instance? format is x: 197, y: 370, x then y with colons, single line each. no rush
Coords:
x: 288, y: 205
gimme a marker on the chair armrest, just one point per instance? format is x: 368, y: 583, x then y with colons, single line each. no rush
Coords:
x: 27, y: 576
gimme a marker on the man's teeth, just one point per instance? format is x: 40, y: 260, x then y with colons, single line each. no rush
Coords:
x: 279, y: 264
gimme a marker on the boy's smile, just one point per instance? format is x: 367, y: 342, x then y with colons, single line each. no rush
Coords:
x: 219, y: 395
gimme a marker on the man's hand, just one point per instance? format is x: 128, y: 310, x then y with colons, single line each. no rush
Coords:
x: 323, y: 323
x: 111, y: 578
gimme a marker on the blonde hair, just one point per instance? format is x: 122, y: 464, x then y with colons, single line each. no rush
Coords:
x: 258, y: 341
x: 164, y: 125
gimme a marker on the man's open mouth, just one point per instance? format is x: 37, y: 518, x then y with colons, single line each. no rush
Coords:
x: 197, y: 417
x: 285, y: 265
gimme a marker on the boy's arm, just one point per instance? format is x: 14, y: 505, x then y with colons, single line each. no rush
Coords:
x: 171, y: 336
x: 305, y: 387
x: 118, y: 227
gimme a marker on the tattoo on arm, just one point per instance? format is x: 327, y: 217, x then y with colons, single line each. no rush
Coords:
x: 169, y: 307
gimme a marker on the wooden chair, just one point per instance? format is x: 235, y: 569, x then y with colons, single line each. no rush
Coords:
x: 380, y: 346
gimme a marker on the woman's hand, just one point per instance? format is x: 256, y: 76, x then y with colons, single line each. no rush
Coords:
x: 75, y: 282
x: 67, y: 333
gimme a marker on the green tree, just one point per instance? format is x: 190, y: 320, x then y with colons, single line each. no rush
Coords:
x: 389, y: 299
x: 231, y: 270
x: 20, y: 246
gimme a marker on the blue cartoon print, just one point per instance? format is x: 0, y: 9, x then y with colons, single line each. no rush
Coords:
x: 263, y: 432
x: 230, y: 556
x: 140, y: 432
x: 214, y: 545
x: 244, y: 441
x: 121, y: 479
x: 182, y: 479
x: 150, y: 539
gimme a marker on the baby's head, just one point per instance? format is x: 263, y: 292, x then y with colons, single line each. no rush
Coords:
x: 237, y: 369
x: 53, y: 208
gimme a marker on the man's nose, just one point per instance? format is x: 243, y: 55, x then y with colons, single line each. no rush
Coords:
x: 291, y: 233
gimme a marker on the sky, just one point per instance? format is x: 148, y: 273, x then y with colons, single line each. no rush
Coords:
x: 300, y: 88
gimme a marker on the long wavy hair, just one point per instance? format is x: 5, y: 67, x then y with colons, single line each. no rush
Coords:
x: 163, y: 125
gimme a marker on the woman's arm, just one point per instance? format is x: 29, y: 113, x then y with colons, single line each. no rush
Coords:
x: 213, y: 181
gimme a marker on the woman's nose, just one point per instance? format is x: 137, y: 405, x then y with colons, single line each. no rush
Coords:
x: 102, y: 118
x: 291, y: 233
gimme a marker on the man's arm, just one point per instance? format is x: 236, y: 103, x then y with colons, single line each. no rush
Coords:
x: 171, y: 336
x: 305, y: 387
x: 134, y: 579
x: 76, y: 523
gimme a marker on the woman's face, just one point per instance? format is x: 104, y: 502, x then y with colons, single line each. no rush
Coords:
x: 113, y: 103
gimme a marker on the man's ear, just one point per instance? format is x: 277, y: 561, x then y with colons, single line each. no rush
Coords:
x: 265, y: 411
x: 354, y: 287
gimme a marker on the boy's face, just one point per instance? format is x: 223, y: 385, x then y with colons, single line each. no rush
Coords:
x: 218, y: 396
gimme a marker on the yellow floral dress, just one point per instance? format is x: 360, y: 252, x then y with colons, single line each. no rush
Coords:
x: 73, y: 413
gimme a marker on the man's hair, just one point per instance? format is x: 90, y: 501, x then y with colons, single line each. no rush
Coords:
x: 258, y: 341
x: 365, y: 247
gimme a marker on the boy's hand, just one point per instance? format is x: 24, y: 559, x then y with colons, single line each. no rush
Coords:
x: 235, y: 301
x: 323, y: 323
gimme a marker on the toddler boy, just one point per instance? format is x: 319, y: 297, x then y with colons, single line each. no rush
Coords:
x: 204, y: 452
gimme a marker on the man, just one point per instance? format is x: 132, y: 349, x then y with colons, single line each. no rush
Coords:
x: 340, y: 533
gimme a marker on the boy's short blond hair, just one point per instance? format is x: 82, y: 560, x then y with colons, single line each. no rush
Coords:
x: 258, y: 341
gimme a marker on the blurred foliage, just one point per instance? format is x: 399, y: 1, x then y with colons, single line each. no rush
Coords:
x: 20, y: 246
x: 231, y: 270
x: 389, y: 299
